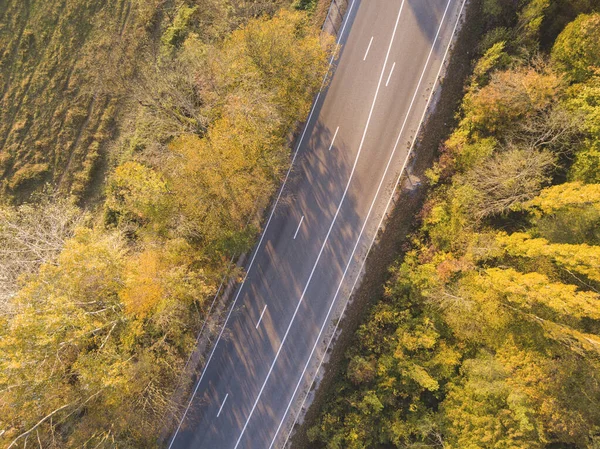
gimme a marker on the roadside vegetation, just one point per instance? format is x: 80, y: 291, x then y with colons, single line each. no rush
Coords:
x: 191, y: 104
x: 488, y: 335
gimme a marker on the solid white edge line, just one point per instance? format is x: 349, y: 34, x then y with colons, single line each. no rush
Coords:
x: 390, y: 76
x: 316, y: 101
x: 209, y: 311
x: 368, y: 48
x: 328, y: 232
x: 298, y: 228
x: 379, y: 226
x: 222, y: 404
x: 261, y: 316
x: 392, y: 154
x: 334, y: 136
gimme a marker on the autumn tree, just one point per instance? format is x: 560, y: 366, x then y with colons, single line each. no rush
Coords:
x: 74, y: 305
x: 171, y: 99
x: 102, y: 318
x: 482, y: 410
x: 510, y: 96
x: 556, y: 197
x: 567, y: 213
x: 399, y: 358
x: 223, y: 179
x: 262, y: 79
x: 583, y: 258
x: 95, y: 341
x: 137, y: 195
x: 516, y: 397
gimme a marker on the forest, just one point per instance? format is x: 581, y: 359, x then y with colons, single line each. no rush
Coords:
x: 141, y: 142
x: 488, y: 333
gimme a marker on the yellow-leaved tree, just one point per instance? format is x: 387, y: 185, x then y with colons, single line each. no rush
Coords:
x: 583, y: 258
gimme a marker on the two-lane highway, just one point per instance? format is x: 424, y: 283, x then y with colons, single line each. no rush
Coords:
x: 346, y: 166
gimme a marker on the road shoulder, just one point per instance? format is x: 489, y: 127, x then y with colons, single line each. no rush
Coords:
x: 402, y: 220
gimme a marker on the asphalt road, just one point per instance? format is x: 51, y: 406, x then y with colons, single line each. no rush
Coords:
x: 347, y: 163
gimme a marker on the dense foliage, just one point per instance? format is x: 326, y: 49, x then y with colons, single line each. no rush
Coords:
x: 488, y: 335
x: 99, y: 311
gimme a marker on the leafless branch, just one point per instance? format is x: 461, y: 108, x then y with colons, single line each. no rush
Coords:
x: 41, y: 421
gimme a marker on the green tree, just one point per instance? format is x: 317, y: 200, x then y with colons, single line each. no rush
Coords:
x: 493, y: 58
x: 586, y: 167
x: 577, y: 50
x: 530, y: 21
x: 137, y: 194
x: 483, y: 411
x: 583, y: 102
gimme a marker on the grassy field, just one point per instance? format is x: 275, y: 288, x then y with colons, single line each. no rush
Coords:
x: 59, y: 98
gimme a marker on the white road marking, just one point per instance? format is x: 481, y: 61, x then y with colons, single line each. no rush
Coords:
x: 298, y: 228
x: 390, y: 76
x: 261, y: 316
x: 221, y: 408
x: 283, y: 340
x: 232, y: 308
x: 368, y: 251
x: 209, y: 312
x: 368, y: 48
x: 334, y: 136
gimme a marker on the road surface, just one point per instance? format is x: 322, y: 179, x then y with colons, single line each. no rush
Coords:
x: 347, y: 163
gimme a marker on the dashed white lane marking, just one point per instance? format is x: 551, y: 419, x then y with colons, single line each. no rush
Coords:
x: 368, y: 48
x: 360, y: 147
x: 221, y: 408
x: 334, y: 136
x: 261, y: 316
x: 258, y: 246
x: 390, y: 75
x: 437, y: 78
x: 298, y: 228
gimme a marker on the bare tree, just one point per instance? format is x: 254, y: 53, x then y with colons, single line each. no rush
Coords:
x: 554, y: 129
x: 30, y: 235
x: 171, y: 97
x: 509, y: 179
